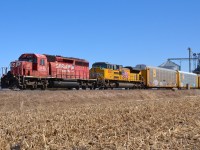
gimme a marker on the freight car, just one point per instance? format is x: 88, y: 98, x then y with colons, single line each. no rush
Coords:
x: 187, y: 79
x: 42, y: 71
x: 155, y: 77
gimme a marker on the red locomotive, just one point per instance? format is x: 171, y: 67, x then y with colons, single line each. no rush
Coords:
x: 35, y: 70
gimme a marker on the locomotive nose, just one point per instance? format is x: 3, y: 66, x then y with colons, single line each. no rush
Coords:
x: 16, y: 67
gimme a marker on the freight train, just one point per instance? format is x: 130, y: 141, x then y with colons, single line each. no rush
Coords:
x: 32, y: 71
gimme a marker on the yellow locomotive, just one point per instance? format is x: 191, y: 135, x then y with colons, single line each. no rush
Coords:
x: 115, y: 76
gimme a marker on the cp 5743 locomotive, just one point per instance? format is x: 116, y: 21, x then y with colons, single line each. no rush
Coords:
x: 48, y: 71
x: 42, y: 71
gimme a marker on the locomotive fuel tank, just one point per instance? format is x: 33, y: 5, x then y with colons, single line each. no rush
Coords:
x: 125, y: 85
x: 63, y: 84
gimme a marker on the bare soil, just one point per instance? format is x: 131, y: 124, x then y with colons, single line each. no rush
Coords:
x: 95, y: 120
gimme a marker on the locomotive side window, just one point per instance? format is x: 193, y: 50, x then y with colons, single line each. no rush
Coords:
x: 110, y: 66
x: 35, y: 60
x: 42, y: 62
x: 118, y: 67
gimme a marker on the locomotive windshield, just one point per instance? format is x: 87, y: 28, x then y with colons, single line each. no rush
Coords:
x: 100, y: 65
x: 29, y: 58
x: 106, y: 66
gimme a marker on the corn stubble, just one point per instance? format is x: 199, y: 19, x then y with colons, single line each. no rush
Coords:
x: 84, y: 120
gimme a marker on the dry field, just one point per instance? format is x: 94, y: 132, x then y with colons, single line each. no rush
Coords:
x: 94, y: 120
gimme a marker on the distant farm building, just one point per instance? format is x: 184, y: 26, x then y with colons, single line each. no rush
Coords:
x: 170, y: 65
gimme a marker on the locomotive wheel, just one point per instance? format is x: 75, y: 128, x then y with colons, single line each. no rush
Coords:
x: 24, y: 87
x: 43, y: 87
x: 14, y: 86
x: 92, y: 87
x: 32, y: 87
x: 84, y: 87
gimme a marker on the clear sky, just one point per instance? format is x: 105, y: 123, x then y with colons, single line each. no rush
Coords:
x: 126, y: 32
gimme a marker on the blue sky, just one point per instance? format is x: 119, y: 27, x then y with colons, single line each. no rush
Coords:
x: 126, y: 32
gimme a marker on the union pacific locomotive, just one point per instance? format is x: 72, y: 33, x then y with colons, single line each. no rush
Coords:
x: 48, y: 71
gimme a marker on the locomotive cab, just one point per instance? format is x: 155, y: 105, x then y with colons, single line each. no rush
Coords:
x: 103, y: 70
x: 30, y: 65
x: 103, y: 65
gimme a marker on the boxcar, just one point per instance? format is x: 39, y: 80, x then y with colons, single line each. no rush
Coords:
x: 155, y: 77
x: 186, y: 78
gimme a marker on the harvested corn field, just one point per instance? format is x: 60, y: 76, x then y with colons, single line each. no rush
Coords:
x: 92, y: 120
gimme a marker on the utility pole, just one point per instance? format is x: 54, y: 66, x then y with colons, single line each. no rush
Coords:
x: 190, y: 56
